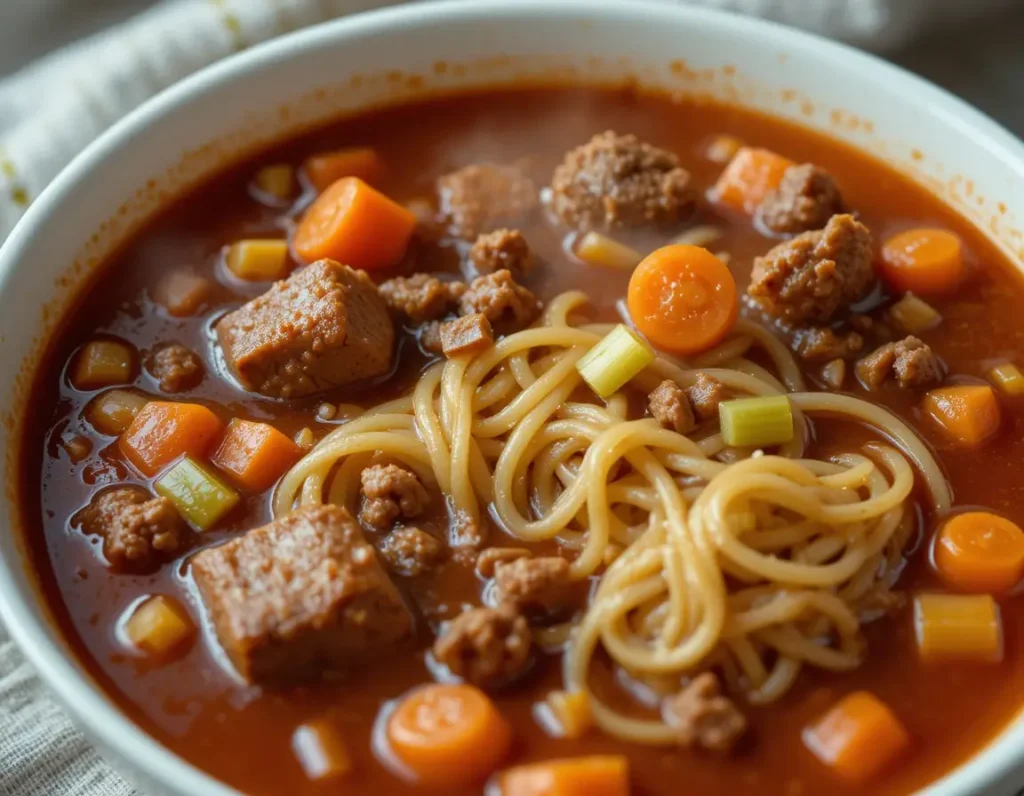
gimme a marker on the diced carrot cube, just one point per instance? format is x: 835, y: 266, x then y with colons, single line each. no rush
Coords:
x: 967, y: 413
x: 255, y: 454
x: 858, y: 737
x: 327, y: 168
x: 162, y: 431
x: 749, y: 177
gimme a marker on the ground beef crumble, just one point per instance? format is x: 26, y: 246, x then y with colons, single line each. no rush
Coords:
x: 670, y: 406
x: 488, y: 647
x: 813, y: 277
x: 705, y: 395
x: 139, y: 531
x: 912, y: 362
x: 389, y: 492
x: 702, y: 717
x: 175, y: 368
x: 618, y: 181
x: 506, y: 304
x: 483, y: 197
x: 503, y: 249
x: 820, y: 344
x: 411, y: 551
x: 805, y: 200
x: 420, y: 297
x: 535, y: 587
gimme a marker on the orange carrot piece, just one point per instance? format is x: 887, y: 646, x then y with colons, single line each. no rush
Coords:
x: 255, y: 455
x: 162, y: 431
x: 599, y: 775
x: 967, y: 413
x: 356, y: 225
x: 682, y: 298
x: 448, y: 735
x: 958, y: 627
x: 328, y: 167
x: 858, y: 737
x: 980, y: 552
x: 923, y: 260
x: 749, y: 177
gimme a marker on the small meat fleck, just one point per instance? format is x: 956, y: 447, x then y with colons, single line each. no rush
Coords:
x: 489, y: 647
x: 469, y: 334
x: 420, y: 297
x: 411, y: 551
x: 702, y: 717
x: 912, y: 362
x: 175, y: 368
x: 805, y: 200
x: 670, y: 406
x: 503, y: 249
x: 535, y: 587
x: 483, y: 197
x: 139, y: 531
x: 389, y: 492
x: 819, y: 344
x: 705, y: 395
x: 506, y: 304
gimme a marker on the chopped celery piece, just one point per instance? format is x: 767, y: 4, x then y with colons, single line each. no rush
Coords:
x: 1008, y: 378
x: 113, y: 411
x: 597, y: 249
x: 277, y: 181
x: 200, y: 496
x: 258, y: 260
x: 617, y: 358
x: 103, y: 363
x: 914, y: 315
x: 756, y: 422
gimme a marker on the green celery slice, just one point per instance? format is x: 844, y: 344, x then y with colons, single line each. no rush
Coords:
x: 199, y: 495
x: 756, y: 422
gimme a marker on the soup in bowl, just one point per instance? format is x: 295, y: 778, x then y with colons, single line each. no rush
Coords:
x: 582, y: 420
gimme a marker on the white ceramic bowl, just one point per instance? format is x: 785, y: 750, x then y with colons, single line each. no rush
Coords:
x: 271, y: 91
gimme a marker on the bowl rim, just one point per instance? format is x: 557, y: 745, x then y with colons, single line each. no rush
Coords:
x: 77, y: 692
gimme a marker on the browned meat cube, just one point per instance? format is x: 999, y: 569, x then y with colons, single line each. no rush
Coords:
x: 670, y: 407
x: 300, y: 596
x: 508, y: 305
x: 815, y: 275
x: 139, y: 531
x: 503, y: 249
x: 705, y: 395
x: 468, y: 334
x: 322, y: 327
x: 483, y: 197
x: 420, y: 297
x: 819, y: 344
x: 488, y: 647
x: 175, y: 368
x: 411, y: 551
x: 912, y: 362
x: 703, y: 717
x: 535, y: 587
x: 806, y: 199
x: 390, y: 492
x: 620, y: 181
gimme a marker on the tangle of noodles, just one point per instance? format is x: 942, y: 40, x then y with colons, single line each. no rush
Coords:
x: 755, y: 565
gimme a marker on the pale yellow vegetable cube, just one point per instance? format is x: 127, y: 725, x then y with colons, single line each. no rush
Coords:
x: 258, y: 260
x: 159, y: 626
x: 276, y: 181
x: 113, y: 411
x: 321, y: 751
x: 103, y: 363
x: 1008, y: 378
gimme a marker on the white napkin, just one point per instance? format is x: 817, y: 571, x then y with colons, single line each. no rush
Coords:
x: 50, y: 110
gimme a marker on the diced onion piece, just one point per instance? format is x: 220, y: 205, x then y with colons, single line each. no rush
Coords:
x: 600, y: 250
x: 914, y: 315
x: 959, y: 627
x: 616, y: 359
x: 1008, y: 378
x: 276, y: 181
x: 571, y: 710
x: 321, y: 751
x: 304, y: 438
x: 756, y: 422
x: 257, y: 260
x: 159, y: 626
x: 723, y: 148
x: 181, y: 293
x: 103, y: 363
x: 199, y: 495
x: 77, y: 448
x: 834, y: 374
x: 113, y: 411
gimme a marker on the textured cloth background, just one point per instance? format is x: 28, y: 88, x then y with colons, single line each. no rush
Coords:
x: 52, y: 108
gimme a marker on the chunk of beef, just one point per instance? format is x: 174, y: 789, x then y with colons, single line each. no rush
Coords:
x: 390, y: 492
x: 489, y: 559
x: 429, y: 336
x: 410, y: 551
x: 175, y: 368
x: 535, y: 587
x: 670, y: 406
x: 702, y: 717
x: 488, y: 647
x: 806, y: 199
x: 300, y: 596
x: 465, y: 335
x: 912, y: 362
x: 620, y: 181
x: 322, y: 327
x: 507, y: 305
x: 820, y: 344
x: 815, y: 275
x: 503, y: 249
x: 705, y: 395
x: 139, y: 531
x: 420, y: 297
x: 480, y: 198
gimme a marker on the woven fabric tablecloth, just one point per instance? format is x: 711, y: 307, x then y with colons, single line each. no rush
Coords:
x: 51, y: 109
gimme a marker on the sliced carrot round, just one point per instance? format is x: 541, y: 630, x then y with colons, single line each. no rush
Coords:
x: 980, y: 552
x: 448, y: 734
x: 598, y: 775
x: 924, y: 260
x: 682, y: 298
